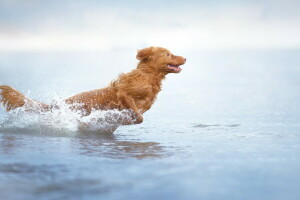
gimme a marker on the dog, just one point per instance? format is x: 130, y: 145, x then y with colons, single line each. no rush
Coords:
x: 135, y: 91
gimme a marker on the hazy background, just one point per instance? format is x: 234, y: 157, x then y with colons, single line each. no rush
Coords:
x: 33, y: 25
x: 73, y: 45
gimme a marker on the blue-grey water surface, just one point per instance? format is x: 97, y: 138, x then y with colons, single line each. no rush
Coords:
x: 226, y: 127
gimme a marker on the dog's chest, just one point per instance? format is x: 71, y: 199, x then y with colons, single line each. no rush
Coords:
x: 144, y: 104
x: 145, y: 98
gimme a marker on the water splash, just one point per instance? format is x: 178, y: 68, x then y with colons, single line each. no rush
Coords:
x: 62, y: 120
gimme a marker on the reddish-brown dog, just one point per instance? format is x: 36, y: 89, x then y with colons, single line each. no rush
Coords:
x: 135, y: 91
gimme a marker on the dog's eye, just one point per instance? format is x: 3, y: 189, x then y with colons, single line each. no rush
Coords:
x: 167, y: 54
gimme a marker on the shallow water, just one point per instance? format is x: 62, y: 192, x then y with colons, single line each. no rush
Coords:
x: 227, y: 127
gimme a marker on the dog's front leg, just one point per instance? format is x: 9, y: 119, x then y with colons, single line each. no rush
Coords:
x: 136, y: 116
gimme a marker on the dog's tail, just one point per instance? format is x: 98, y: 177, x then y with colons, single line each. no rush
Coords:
x: 12, y: 99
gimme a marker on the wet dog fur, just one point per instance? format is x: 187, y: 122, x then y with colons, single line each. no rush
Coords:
x: 135, y: 91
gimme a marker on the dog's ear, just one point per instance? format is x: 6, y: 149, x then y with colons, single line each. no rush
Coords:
x: 144, y: 53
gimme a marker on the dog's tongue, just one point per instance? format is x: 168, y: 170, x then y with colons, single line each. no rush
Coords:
x: 175, y: 68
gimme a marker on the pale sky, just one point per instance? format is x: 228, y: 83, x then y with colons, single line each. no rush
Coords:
x: 33, y: 25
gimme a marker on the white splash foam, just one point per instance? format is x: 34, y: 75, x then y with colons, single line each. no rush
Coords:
x: 62, y: 120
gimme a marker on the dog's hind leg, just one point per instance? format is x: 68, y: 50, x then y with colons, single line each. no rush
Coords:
x: 12, y: 99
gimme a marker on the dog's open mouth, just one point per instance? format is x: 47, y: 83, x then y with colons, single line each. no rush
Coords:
x: 174, y: 68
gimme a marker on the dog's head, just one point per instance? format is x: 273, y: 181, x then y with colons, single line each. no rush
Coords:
x: 160, y: 60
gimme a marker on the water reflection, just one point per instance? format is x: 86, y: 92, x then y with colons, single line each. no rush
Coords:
x: 90, y: 144
x: 110, y: 146
x: 8, y: 144
x: 216, y: 125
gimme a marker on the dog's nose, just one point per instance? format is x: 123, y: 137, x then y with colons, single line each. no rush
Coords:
x: 184, y: 59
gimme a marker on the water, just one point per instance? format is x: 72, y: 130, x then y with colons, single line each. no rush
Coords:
x: 226, y: 127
